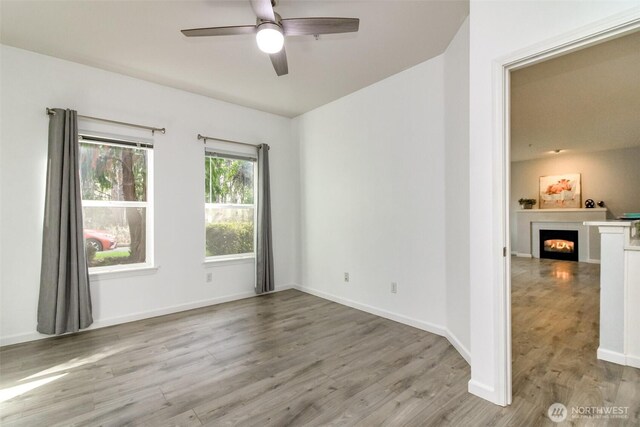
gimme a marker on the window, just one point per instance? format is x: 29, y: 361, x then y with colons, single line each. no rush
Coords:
x: 229, y: 205
x: 114, y: 177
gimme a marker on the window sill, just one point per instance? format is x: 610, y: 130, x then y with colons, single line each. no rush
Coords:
x: 221, y: 261
x: 142, y: 270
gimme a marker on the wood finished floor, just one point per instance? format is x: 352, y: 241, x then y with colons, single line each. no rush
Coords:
x: 294, y: 359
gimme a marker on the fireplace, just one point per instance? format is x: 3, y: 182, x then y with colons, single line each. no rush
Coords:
x: 559, y: 244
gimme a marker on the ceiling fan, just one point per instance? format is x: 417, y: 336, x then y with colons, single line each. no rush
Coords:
x: 270, y: 30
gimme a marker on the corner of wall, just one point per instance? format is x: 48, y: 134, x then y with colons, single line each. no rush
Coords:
x: 297, y: 234
x: 456, y: 109
x: 458, y: 345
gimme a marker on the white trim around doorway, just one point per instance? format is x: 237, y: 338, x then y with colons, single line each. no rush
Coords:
x: 598, y: 32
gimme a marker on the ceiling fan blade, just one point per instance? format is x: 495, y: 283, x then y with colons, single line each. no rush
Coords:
x: 220, y: 31
x: 312, y: 26
x: 263, y: 10
x: 279, y: 61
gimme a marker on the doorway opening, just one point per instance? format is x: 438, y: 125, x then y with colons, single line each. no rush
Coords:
x: 572, y: 117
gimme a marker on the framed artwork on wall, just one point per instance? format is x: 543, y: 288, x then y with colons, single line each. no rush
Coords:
x: 560, y: 191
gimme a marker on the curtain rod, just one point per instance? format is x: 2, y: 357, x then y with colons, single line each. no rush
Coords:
x: 226, y: 140
x: 51, y: 112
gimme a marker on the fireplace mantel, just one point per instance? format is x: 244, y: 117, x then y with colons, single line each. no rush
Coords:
x: 562, y: 211
x: 528, y: 219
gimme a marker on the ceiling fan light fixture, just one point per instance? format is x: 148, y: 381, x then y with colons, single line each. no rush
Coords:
x: 269, y: 29
x: 270, y: 38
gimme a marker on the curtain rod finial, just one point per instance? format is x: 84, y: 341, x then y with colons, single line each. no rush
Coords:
x: 51, y: 111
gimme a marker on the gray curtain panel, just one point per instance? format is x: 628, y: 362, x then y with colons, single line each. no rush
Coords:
x: 264, y: 249
x: 65, y: 301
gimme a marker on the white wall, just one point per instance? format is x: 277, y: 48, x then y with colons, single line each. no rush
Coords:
x: 610, y: 175
x: 456, y: 80
x: 29, y: 83
x: 373, y: 197
x: 384, y: 191
x: 500, y: 28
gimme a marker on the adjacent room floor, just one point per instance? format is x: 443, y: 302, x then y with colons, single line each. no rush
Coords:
x: 294, y: 359
x: 555, y: 312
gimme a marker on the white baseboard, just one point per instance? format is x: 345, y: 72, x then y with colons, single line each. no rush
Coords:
x: 592, y: 261
x: 633, y: 361
x: 102, y: 323
x: 455, y: 342
x: 522, y: 255
x: 420, y: 324
x: 425, y: 326
x: 618, y: 358
x: 612, y: 356
x: 485, y: 392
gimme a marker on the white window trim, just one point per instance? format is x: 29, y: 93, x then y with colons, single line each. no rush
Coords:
x: 115, y: 203
x: 217, y: 261
x: 234, y: 258
x: 148, y: 267
x: 122, y: 270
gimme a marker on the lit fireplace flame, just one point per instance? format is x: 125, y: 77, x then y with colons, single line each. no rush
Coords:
x: 559, y: 245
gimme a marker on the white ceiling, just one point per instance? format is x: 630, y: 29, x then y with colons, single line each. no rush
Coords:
x: 142, y: 39
x: 588, y: 100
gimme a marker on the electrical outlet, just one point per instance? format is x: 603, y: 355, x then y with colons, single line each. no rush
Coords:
x: 394, y: 288
x: 209, y: 277
x: 346, y: 277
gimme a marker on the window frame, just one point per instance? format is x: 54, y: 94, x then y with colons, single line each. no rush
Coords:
x: 148, y: 265
x: 232, y: 258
